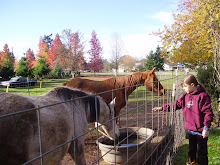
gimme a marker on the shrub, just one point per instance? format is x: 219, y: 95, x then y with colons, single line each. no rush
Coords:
x: 208, y: 78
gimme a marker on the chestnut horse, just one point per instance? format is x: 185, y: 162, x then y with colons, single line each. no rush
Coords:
x: 63, y: 114
x: 118, y: 85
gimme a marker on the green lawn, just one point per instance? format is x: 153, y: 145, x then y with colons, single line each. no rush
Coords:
x: 213, y: 149
x: 46, y: 85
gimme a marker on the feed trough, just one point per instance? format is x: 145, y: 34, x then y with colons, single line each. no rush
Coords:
x: 131, y: 148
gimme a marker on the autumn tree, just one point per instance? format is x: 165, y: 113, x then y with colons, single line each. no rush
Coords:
x: 15, y: 64
x: 194, y: 37
x: 42, y: 49
x: 6, y: 63
x: 95, y: 60
x: 72, y: 57
x: 117, y: 48
x: 55, y: 50
x: 140, y: 66
x: 128, y: 62
x: 30, y: 58
x: 209, y: 13
x: 77, y: 49
x: 66, y: 58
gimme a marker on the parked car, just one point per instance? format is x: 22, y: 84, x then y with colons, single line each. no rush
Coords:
x: 19, y: 82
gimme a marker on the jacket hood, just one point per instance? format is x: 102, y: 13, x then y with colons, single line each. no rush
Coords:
x: 200, y: 89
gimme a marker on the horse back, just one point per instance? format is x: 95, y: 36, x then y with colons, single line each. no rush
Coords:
x: 91, y: 86
x: 104, y: 88
x: 16, y: 130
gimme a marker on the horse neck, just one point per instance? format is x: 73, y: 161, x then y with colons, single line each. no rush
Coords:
x: 93, y: 106
x: 130, y: 81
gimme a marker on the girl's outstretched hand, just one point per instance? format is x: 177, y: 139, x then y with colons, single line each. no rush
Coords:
x: 157, y: 109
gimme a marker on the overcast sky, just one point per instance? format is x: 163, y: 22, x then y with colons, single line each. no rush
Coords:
x: 24, y: 21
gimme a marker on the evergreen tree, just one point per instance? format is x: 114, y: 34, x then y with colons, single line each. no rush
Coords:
x: 48, y: 40
x: 22, y: 69
x: 41, y: 69
x: 154, y: 60
x: 57, y: 71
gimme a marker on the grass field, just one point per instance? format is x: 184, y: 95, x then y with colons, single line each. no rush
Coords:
x: 41, y: 87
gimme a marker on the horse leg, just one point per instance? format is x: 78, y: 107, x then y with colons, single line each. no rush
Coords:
x: 77, y: 153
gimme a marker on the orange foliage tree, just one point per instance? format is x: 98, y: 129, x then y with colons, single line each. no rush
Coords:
x: 55, y: 50
x: 30, y: 58
x: 43, y: 49
x: 6, y: 62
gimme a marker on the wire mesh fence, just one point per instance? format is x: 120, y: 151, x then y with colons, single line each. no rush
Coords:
x: 136, y: 120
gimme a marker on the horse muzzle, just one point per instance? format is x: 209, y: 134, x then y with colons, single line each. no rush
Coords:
x: 162, y: 92
x: 112, y: 134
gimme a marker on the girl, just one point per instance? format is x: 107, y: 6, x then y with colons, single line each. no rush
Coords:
x: 196, y: 106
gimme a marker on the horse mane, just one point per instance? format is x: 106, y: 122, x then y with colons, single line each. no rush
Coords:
x: 123, y: 81
x: 89, y: 100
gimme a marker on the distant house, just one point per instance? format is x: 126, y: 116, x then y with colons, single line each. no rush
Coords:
x: 174, y: 66
x: 121, y: 68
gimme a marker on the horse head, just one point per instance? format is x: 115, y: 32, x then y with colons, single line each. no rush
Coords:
x: 151, y: 82
x: 106, y: 121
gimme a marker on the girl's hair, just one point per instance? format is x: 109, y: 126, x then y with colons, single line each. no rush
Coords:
x: 190, y: 79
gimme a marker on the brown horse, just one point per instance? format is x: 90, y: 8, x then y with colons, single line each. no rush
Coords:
x: 119, y: 85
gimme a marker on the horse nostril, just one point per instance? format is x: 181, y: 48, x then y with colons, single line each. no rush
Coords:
x: 162, y: 92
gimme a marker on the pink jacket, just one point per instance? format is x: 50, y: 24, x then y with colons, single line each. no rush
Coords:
x: 196, y: 108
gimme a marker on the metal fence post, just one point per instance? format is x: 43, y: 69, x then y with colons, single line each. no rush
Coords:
x: 40, y: 136
x: 168, y: 158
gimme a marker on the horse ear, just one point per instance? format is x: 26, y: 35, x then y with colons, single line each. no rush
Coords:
x: 113, y: 101
x: 150, y: 71
x: 153, y: 70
